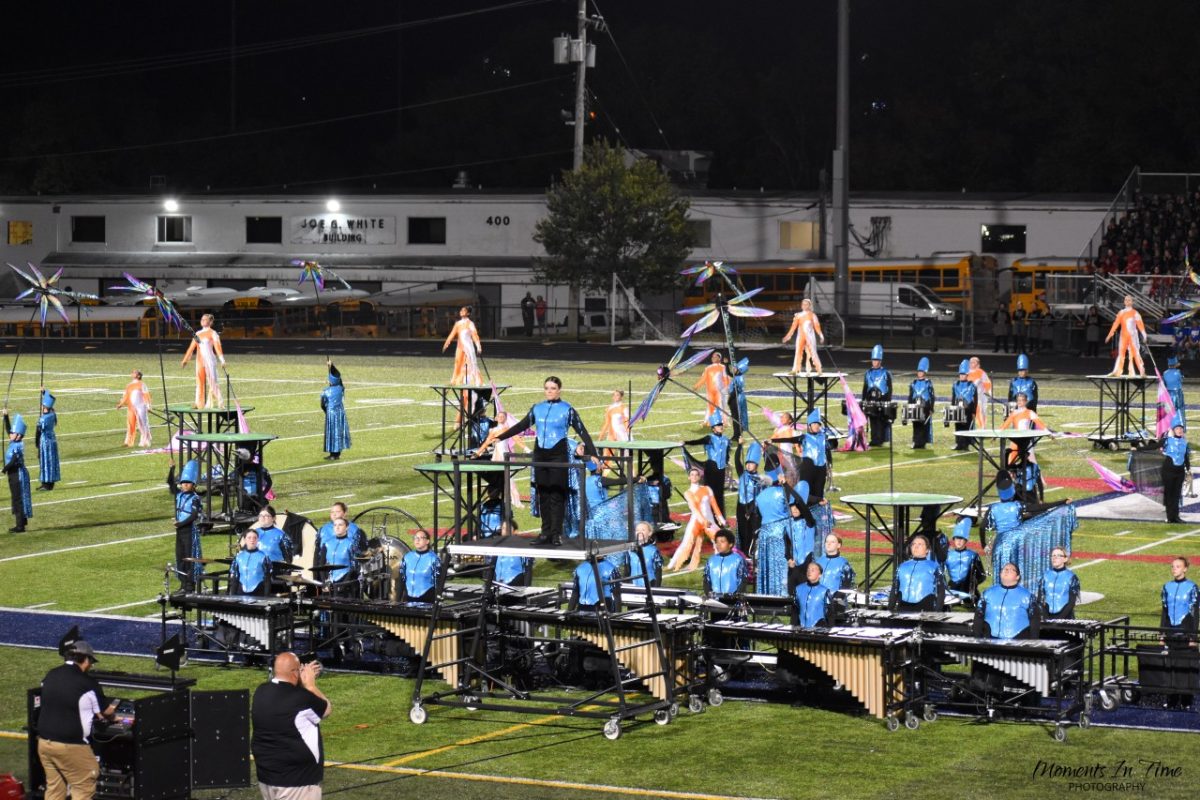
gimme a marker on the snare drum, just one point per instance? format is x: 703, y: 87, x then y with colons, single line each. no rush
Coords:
x: 954, y: 414
x: 914, y: 413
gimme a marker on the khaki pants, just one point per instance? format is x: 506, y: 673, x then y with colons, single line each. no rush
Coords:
x: 290, y: 792
x: 72, y: 765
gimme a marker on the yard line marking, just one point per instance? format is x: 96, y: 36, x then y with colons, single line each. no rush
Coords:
x: 1054, y: 489
x: 74, y: 483
x: 118, y: 485
x: 1122, y: 533
x: 123, y: 605
x: 43, y: 605
x: 1139, y: 548
x: 342, y: 496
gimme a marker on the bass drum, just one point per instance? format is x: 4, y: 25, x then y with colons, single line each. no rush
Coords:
x: 389, y: 531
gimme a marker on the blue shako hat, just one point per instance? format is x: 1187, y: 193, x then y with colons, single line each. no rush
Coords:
x: 190, y: 472
x: 47, y: 398
x: 1172, y: 361
x: 17, y: 425
x: 877, y: 353
x: 335, y: 377
x: 1022, y: 361
x: 962, y: 529
x: 923, y: 365
x: 964, y: 367
x: 1177, y: 421
x: 754, y: 454
x: 814, y: 416
x: 1004, y: 486
x: 742, y: 366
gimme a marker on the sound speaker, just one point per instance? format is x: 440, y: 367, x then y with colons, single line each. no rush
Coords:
x: 221, y: 747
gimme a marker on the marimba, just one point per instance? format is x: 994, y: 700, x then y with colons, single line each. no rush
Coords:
x: 869, y: 662
x: 267, y: 622
x: 1038, y: 664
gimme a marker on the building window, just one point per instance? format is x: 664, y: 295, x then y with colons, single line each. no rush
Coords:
x: 87, y: 229
x: 798, y: 236
x: 1002, y: 239
x: 264, y: 230
x: 700, y: 231
x: 20, y: 232
x: 426, y: 230
x: 173, y: 230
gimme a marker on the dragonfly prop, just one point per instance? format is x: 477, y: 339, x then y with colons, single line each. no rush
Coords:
x: 1192, y: 308
x: 312, y: 271
x: 710, y: 269
x: 46, y: 292
x: 166, y: 308
x: 675, y: 366
x: 714, y: 311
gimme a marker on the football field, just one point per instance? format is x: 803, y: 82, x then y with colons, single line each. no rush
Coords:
x: 99, y: 541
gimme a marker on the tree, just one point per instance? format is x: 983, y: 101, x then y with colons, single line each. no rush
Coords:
x: 608, y: 218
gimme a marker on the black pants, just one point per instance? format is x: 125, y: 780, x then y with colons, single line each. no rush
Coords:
x: 552, y: 505
x: 815, y: 476
x: 922, y: 433
x: 1172, y: 481
x: 714, y: 479
x: 1093, y: 349
x: 527, y: 321
x: 961, y: 442
x: 183, y: 549
x: 881, y: 430
x: 748, y: 523
x: 1000, y: 343
x: 18, y: 500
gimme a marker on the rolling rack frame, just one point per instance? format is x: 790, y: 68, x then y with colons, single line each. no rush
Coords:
x: 477, y: 683
x: 1122, y: 424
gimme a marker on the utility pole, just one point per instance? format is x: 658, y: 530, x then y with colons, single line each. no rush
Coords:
x: 841, y: 167
x: 232, y: 65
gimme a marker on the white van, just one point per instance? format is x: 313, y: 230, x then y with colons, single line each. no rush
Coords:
x: 898, y: 306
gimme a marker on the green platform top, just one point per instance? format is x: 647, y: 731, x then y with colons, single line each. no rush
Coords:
x: 184, y: 409
x: 901, y: 499
x: 466, y: 467
x: 227, y: 438
x: 638, y: 445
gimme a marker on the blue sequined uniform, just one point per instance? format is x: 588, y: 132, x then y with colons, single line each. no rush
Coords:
x: 47, y: 445
x: 337, y: 430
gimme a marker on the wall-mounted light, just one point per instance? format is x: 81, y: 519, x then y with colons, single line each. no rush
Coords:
x: 333, y: 206
x: 171, y: 205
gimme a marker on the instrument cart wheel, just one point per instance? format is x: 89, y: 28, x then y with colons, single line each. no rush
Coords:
x: 1130, y: 695
x: 695, y: 704
x: 912, y: 721
x: 715, y: 698
x: 1114, y: 446
x: 1085, y: 722
x: 893, y: 724
x: 662, y: 717
x: 1060, y: 733
x: 673, y: 710
x: 417, y: 715
x: 929, y: 713
x: 1109, y: 699
x: 612, y: 730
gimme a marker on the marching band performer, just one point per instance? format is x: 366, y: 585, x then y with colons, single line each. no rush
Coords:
x: 812, y: 600
x: 784, y: 438
x: 715, y: 380
x: 206, y: 346
x: 1007, y: 610
x: 964, y: 568
x: 703, y: 522
x: 339, y: 511
x: 501, y: 447
x: 250, y: 572
x: 419, y: 571
x: 654, y: 561
x: 46, y: 442
x: 836, y: 572
x: 18, y: 476
x: 1009, y: 512
x: 1173, y: 380
x: 1177, y: 465
x: 738, y: 407
x: 136, y: 402
x: 1023, y: 384
x: 272, y: 540
x: 337, y: 431
x: 1132, y: 337
x: 340, y: 548
x: 189, y: 519
x: 918, y: 584
x: 616, y: 419
x: 586, y: 593
x: 814, y: 452
x: 1023, y: 418
x: 725, y: 570
x: 983, y: 391
x: 921, y: 391
x: 1180, y: 599
x: 775, y: 545
x: 965, y: 394
x: 807, y: 328
x: 468, y: 346
x: 716, y: 460
x: 877, y: 390
x: 1059, y: 588
x: 750, y: 484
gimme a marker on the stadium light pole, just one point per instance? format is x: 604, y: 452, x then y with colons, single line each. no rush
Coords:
x: 841, y: 167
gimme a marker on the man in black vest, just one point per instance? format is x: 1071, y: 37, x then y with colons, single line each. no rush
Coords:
x: 71, y: 701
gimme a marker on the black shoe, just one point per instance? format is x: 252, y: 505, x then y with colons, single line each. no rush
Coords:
x: 17, y: 530
x: 556, y: 541
x: 336, y: 456
x: 329, y: 457
x: 540, y: 541
x: 42, y: 488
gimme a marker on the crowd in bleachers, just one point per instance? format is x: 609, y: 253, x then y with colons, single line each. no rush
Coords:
x: 1152, y: 241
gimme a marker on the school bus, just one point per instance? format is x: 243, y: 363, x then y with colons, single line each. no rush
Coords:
x: 1031, y: 278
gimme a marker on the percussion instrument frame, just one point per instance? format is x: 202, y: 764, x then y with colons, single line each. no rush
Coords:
x: 1123, y: 420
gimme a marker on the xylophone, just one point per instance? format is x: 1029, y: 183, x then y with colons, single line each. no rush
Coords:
x: 633, y: 634
x: 267, y: 621
x: 506, y: 596
x: 867, y: 661
x: 1036, y: 663
x: 408, y: 622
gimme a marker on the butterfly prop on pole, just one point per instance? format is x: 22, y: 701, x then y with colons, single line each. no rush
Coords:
x: 166, y: 308
x: 675, y: 366
x: 47, y: 293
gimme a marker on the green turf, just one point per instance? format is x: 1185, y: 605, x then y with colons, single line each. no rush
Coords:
x: 113, y: 506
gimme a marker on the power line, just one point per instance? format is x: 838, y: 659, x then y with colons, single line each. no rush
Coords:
x: 629, y: 71
x: 393, y: 173
x: 36, y: 77
x: 278, y: 128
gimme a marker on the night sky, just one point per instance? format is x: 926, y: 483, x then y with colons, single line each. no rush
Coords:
x: 982, y: 96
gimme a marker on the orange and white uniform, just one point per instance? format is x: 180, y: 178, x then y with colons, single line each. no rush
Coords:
x: 502, y: 448
x: 702, y: 523
x: 787, y: 450
x: 136, y: 401
x: 715, y: 379
x: 466, y: 365
x: 1133, y: 333
x: 807, y: 328
x: 206, y: 346
x: 983, y: 393
x: 1023, y: 419
x: 616, y: 423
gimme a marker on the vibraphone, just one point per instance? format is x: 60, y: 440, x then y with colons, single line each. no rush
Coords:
x: 636, y: 638
x: 266, y: 624
x: 340, y: 619
x: 872, y: 663
x: 507, y: 596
